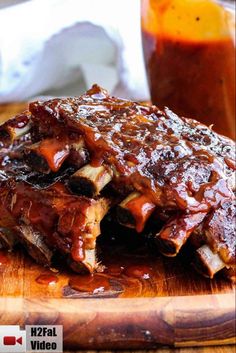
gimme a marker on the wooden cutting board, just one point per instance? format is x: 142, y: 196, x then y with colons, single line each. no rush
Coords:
x: 142, y: 300
x: 161, y: 302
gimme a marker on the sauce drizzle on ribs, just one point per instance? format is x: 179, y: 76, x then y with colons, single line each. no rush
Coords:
x: 150, y: 159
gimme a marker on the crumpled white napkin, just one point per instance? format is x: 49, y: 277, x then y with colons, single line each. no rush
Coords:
x: 62, y: 47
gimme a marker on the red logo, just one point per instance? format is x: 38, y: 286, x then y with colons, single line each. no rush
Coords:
x: 11, y: 340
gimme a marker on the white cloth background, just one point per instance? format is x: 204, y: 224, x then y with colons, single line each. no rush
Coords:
x: 62, y: 47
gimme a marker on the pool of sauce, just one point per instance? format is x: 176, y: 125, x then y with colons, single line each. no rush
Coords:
x: 131, y: 270
x: 90, y: 283
x: 47, y: 279
x: 138, y: 271
x: 116, y: 280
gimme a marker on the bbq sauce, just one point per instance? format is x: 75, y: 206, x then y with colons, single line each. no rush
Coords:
x: 90, y: 283
x: 146, y: 210
x: 189, y: 53
x: 127, y: 279
x: 124, y: 274
x: 20, y: 121
x: 60, y: 208
x: 47, y: 279
x: 55, y: 152
x: 168, y: 149
x: 140, y: 271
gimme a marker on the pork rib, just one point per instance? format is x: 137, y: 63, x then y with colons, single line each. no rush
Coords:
x: 168, y: 162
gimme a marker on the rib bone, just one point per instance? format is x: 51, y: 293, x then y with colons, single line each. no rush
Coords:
x: 134, y: 211
x: 176, y: 232
x: 35, y: 245
x: 84, y: 226
x: 15, y: 128
x: 94, y: 215
x: 207, y: 262
x: 47, y: 155
x: 89, y: 180
x: 85, y: 266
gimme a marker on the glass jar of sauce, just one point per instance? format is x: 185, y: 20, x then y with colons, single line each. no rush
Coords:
x: 189, y: 50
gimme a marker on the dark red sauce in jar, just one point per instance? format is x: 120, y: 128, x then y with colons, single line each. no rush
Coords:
x: 189, y: 53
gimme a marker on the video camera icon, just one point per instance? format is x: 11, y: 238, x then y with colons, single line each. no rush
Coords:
x: 11, y: 340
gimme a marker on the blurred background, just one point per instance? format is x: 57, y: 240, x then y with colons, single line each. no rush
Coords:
x: 62, y: 47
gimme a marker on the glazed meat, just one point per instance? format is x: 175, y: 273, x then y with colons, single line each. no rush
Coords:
x: 51, y: 219
x: 94, y: 152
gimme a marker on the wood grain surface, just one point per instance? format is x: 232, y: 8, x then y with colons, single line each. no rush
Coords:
x: 172, y: 306
x: 212, y: 349
x: 8, y: 110
x: 175, y: 308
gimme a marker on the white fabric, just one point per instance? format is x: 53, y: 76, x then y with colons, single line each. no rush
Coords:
x: 61, y: 47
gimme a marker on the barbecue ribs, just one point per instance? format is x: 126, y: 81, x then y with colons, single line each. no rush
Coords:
x: 66, y: 162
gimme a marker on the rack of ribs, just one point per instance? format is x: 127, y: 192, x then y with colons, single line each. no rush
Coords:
x: 66, y: 162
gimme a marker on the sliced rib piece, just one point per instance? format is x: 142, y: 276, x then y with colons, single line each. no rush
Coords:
x: 207, y: 262
x: 80, y: 222
x: 176, y: 232
x: 135, y: 210
x: 49, y: 154
x: 35, y: 245
x: 87, y: 265
x: 15, y: 128
x: 220, y: 230
x: 89, y: 180
x: 57, y: 220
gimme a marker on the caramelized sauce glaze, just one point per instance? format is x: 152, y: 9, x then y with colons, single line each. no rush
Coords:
x: 168, y: 153
x: 60, y: 216
x: 176, y: 163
